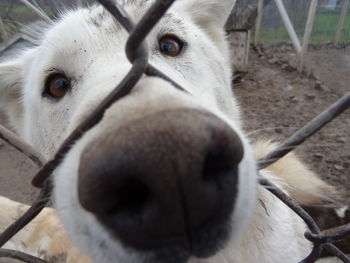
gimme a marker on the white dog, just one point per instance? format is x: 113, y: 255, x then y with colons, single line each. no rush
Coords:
x: 166, y: 176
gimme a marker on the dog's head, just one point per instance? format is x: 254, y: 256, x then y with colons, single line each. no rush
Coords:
x: 166, y: 175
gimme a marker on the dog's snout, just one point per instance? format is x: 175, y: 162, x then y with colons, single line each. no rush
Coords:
x: 159, y: 180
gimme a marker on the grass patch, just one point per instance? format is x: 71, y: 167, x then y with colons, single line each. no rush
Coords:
x: 324, y: 30
x: 17, y: 9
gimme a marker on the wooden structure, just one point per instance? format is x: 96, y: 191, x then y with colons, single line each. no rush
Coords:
x: 309, y: 25
x: 301, y: 48
x: 26, y: 38
x: 238, y: 26
x: 341, y: 22
x: 38, y: 11
x: 239, y: 41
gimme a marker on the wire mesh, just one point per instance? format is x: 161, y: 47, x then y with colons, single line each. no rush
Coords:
x: 137, y: 54
x: 327, y: 18
x: 16, y: 14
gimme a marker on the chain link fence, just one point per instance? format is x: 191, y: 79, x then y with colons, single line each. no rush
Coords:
x: 325, y: 26
x: 16, y: 14
x: 273, y: 30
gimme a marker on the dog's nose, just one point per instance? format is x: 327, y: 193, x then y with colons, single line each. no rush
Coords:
x: 156, y: 181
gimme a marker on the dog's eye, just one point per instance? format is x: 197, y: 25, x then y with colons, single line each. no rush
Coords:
x: 170, y: 45
x: 57, y: 86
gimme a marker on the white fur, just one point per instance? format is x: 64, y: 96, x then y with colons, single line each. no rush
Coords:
x: 88, y: 46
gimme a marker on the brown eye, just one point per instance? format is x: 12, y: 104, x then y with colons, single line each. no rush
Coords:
x: 57, y: 86
x: 171, y: 46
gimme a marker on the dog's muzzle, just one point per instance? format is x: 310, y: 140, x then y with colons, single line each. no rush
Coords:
x: 166, y: 180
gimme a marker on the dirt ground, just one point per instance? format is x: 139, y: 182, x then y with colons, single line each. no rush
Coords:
x: 277, y: 101
x: 16, y: 172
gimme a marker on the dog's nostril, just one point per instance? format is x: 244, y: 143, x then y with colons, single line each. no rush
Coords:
x: 215, y: 165
x: 224, y: 154
x: 131, y: 198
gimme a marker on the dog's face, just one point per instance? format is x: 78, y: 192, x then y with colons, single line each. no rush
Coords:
x: 166, y: 175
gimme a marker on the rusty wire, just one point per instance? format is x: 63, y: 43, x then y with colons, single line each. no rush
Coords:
x: 136, y: 51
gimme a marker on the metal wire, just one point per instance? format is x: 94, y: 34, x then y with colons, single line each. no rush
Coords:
x: 14, y: 254
x: 136, y: 51
x: 307, y: 131
x: 24, y: 148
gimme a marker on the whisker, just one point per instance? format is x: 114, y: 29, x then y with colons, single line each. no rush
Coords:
x: 336, y: 203
x: 328, y: 145
x: 225, y: 260
x: 323, y: 197
x: 270, y: 129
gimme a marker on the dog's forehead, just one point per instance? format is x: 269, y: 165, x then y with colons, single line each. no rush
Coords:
x: 95, y: 27
x: 89, y: 25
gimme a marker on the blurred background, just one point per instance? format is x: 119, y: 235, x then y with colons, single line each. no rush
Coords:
x: 15, y: 14
x: 273, y: 30
x: 277, y: 95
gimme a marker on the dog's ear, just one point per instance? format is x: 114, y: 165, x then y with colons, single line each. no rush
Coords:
x: 11, y: 82
x: 208, y: 13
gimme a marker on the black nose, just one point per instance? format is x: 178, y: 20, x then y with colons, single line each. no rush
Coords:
x: 158, y: 180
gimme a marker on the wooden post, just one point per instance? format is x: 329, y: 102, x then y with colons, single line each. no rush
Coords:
x: 341, y: 21
x: 258, y: 21
x: 247, y: 47
x: 3, y: 31
x: 308, y: 30
x: 239, y: 41
x: 36, y: 10
x: 289, y: 25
